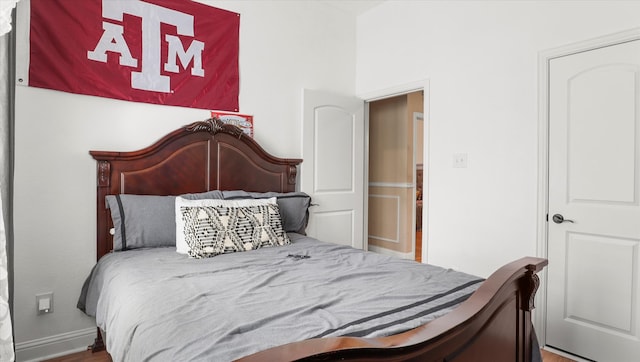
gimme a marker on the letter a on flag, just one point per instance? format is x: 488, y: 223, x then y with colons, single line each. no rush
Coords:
x: 173, y: 52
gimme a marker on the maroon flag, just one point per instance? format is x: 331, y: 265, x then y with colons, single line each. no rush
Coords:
x: 174, y: 52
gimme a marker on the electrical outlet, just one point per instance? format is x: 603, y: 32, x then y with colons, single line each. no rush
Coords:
x: 44, y: 303
x: 460, y: 160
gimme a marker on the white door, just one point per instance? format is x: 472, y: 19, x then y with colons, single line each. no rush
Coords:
x: 593, y: 286
x: 332, y: 171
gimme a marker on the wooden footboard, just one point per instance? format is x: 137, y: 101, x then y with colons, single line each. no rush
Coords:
x: 494, y: 324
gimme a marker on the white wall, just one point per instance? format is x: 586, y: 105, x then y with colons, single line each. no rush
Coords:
x: 481, y: 61
x: 285, y: 46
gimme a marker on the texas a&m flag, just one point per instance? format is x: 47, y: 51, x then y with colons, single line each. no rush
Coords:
x: 174, y: 52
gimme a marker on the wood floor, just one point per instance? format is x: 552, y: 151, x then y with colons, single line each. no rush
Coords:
x: 419, y: 246
x: 86, y: 356
x: 104, y: 357
x: 552, y: 357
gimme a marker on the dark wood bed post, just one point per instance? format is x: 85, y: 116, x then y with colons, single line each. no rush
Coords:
x: 530, y: 283
x: 103, y: 177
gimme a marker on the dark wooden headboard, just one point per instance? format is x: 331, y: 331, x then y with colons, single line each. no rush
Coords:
x: 199, y: 157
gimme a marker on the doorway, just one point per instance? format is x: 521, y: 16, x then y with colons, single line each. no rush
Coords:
x: 395, y: 197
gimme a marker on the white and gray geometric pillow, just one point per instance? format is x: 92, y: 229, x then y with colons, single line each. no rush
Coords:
x: 216, y: 227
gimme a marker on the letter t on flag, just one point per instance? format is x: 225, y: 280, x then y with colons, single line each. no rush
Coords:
x: 173, y: 52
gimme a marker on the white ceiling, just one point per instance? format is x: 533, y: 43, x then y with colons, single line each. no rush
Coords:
x: 355, y: 7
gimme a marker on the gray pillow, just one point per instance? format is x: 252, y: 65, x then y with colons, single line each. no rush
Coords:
x: 214, y: 194
x: 143, y: 221
x: 294, y: 207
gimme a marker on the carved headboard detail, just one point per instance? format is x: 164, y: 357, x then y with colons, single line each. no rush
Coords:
x: 202, y: 156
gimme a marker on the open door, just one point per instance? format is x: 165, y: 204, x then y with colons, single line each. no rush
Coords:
x: 333, y: 169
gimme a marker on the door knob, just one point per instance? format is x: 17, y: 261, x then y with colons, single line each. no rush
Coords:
x: 559, y: 219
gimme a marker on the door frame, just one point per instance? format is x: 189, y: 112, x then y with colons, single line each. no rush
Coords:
x: 544, y: 58
x: 397, y: 90
x: 417, y: 117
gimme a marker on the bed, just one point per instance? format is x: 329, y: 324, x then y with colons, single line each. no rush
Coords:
x: 300, y: 299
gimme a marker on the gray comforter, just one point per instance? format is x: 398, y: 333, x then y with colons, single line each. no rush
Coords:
x: 155, y: 304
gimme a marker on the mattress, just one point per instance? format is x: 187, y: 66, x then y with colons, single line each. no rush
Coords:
x: 156, y: 304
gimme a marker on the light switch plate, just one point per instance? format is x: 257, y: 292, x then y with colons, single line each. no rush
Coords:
x: 460, y: 160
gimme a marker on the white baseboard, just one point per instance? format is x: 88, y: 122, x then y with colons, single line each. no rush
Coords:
x: 55, y: 346
x: 385, y: 251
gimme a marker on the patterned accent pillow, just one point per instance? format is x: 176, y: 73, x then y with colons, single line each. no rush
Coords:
x: 213, y: 227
